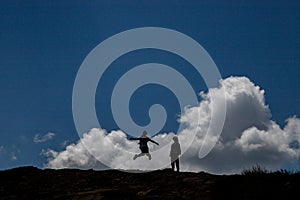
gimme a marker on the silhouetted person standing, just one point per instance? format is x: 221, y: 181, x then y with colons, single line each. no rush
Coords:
x: 143, y: 145
x: 175, y: 153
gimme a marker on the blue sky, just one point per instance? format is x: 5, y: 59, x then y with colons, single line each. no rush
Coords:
x: 44, y: 44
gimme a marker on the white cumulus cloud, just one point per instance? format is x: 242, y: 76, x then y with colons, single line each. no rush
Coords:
x: 38, y: 138
x: 249, y: 137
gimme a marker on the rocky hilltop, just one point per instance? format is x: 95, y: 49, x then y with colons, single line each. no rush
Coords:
x: 34, y: 183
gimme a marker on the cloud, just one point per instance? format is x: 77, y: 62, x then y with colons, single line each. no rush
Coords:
x: 38, y: 139
x: 64, y: 143
x: 249, y: 137
x: 13, y: 156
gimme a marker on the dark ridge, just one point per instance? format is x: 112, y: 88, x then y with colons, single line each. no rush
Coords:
x: 34, y: 183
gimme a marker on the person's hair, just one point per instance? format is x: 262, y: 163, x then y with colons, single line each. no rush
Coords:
x: 144, y: 133
x: 175, y: 138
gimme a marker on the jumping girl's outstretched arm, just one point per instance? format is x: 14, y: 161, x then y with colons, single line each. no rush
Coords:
x: 134, y: 138
x: 153, y: 141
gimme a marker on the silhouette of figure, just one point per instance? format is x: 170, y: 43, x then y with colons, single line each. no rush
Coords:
x: 174, y: 153
x: 143, y: 145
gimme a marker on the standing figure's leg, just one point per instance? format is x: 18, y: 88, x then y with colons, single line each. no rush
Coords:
x: 173, y: 164
x: 177, y: 164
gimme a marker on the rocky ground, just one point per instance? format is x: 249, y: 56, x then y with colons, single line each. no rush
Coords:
x: 33, y: 183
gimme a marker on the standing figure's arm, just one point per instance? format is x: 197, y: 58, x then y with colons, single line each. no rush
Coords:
x: 179, y: 149
x: 171, y: 150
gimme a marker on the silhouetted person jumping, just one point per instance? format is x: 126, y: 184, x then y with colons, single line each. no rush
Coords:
x: 143, y: 145
x: 174, y: 153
